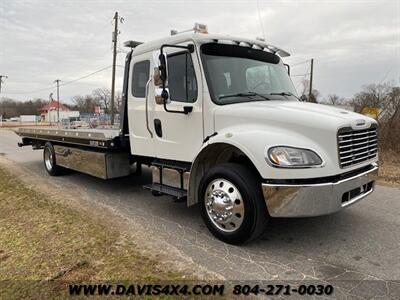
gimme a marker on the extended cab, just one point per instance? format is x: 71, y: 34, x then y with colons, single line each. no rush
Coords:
x: 218, y: 120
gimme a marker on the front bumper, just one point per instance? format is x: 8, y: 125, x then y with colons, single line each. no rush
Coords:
x: 316, y: 199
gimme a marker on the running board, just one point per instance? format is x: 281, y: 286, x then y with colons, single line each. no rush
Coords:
x: 170, y: 178
x: 172, y: 164
x: 167, y: 190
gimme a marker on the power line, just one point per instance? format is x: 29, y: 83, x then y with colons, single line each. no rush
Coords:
x: 86, y: 76
x: 386, y: 75
x: 301, y: 80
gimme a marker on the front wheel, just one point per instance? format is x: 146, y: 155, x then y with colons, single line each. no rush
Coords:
x: 232, y: 204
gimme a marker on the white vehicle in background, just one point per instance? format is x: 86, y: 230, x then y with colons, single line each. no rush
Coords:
x: 218, y: 120
x: 79, y: 124
x: 28, y: 118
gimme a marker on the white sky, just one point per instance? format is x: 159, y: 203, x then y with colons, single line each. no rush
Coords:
x: 352, y: 42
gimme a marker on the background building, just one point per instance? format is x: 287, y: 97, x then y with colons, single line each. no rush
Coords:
x: 48, y: 113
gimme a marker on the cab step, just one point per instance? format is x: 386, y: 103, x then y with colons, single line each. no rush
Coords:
x: 170, y: 177
x: 167, y: 190
x: 172, y: 164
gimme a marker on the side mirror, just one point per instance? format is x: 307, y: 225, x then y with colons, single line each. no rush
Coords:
x: 157, y: 77
x: 160, y: 96
x: 163, y: 66
x: 163, y: 75
x: 163, y: 96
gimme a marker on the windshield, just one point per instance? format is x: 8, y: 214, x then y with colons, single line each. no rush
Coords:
x: 240, y: 74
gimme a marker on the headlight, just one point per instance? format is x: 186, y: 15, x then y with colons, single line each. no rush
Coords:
x: 288, y: 157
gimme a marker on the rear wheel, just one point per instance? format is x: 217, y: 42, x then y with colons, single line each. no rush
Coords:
x: 49, y: 159
x: 232, y: 204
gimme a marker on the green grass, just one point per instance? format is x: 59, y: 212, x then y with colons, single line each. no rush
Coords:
x: 42, y: 241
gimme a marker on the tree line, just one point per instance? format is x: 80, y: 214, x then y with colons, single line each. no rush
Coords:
x: 83, y: 103
x: 99, y: 97
x: 383, y: 96
x: 10, y: 108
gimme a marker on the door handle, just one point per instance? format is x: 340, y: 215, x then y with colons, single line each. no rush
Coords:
x: 157, y: 127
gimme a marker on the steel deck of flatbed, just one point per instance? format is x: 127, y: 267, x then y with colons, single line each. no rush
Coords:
x: 99, y: 138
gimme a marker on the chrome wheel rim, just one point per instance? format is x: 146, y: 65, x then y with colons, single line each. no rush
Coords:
x: 48, y: 159
x: 224, y: 205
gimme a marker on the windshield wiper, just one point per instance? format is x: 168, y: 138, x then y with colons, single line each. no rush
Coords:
x: 248, y: 94
x: 285, y: 94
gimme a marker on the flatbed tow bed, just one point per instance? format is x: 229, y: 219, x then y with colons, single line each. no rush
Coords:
x: 95, y: 138
x: 103, y: 153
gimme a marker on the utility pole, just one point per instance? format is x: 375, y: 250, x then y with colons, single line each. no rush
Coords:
x: 1, y: 80
x: 58, y: 99
x: 114, y: 40
x: 311, y: 79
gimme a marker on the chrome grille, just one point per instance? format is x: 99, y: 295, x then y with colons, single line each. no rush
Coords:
x: 356, y: 146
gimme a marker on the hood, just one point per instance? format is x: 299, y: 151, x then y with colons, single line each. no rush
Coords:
x: 289, y: 115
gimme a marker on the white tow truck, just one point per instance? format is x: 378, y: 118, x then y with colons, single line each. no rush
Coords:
x: 218, y: 121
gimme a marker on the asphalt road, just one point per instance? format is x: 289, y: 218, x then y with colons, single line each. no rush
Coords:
x: 361, y: 242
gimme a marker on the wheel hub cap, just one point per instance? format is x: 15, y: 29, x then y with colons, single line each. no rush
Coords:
x: 224, y: 205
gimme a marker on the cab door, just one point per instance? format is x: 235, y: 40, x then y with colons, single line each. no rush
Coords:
x: 139, y: 114
x: 179, y: 136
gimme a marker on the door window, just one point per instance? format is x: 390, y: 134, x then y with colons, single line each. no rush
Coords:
x: 182, y: 82
x: 140, y: 77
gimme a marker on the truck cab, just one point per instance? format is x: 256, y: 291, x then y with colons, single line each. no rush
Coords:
x: 218, y: 120
x: 227, y: 107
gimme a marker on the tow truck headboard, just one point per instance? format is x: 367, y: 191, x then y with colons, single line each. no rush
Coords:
x: 124, y: 105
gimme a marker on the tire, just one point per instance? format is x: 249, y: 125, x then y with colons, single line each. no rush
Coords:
x: 49, y: 160
x: 232, y: 203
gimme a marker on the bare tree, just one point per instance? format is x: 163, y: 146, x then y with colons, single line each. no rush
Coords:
x: 315, y: 95
x: 335, y: 99
x: 11, y: 108
x: 79, y: 102
x: 118, y: 101
x: 103, y: 96
x: 306, y: 86
x: 385, y: 98
x: 8, y: 108
x: 85, y: 103
x: 372, y: 95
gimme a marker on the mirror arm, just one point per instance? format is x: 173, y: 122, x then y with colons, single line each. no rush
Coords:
x: 186, y: 109
x: 288, y: 68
